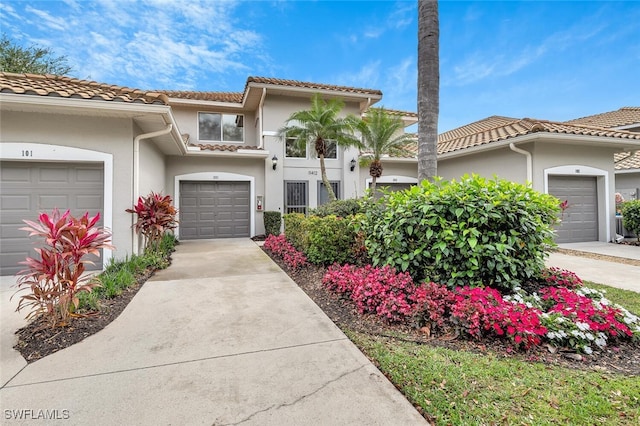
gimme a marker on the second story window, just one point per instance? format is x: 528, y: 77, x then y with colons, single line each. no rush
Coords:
x: 217, y: 127
x: 296, y: 150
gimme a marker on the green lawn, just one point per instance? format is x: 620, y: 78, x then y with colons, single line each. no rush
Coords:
x: 462, y: 388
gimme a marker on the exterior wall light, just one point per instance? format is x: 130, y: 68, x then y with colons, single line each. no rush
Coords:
x: 352, y: 164
x: 274, y: 162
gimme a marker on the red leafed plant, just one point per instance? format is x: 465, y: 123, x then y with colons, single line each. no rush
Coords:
x: 56, y: 278
x: 156, y: 215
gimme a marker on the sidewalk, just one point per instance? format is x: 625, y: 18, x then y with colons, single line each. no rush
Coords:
x: 601, y: 271
x: 221, y: 337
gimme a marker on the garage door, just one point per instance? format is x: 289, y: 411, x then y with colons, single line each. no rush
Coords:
x: 580, y: 219
x: 30, y: 188
x: 214, y: 210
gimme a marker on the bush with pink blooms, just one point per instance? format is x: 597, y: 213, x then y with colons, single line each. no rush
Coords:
x: 559, y: 315
x: 558, y: 277
x: 564, y: 313
x: 380, y: 291
x: 279, y: 246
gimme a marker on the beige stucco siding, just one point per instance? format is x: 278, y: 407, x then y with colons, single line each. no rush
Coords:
x: 187, y: 119
x: 152, y: 169
x: 216, y: 168
x: 105, y: 134
x: 556, y: 158
x: 627, y: 181
x: 277, y: 109
x: 502, y: 162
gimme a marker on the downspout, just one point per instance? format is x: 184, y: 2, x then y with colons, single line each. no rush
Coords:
x: 261, y: 116
x: 529, y: 162
x: 136, y: 174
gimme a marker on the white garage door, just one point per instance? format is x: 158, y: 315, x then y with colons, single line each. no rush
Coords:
x: 214, y: 210
x: 30, y: 188
x: 580, y: 219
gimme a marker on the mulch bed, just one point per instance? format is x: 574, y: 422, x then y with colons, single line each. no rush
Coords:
x: 37, y: 340
x: 621, y: 359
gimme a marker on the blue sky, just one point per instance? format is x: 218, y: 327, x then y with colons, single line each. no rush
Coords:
x: 543, y: 59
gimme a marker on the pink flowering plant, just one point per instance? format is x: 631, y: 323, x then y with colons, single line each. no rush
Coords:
x: 280, y: 247
x: 565, y: 314
x: 584, y: 317
x: 558, y: 277
x: 380, y: 291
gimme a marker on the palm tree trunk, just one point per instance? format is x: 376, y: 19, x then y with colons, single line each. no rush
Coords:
x: 325, y: 179
x: 428, y: 88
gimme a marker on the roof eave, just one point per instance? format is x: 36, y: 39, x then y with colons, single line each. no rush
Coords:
x: 619, y: 144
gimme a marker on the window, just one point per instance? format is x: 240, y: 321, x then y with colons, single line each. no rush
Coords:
x: 295, y: 150
x: 295, y: 197
x: 220, y: 127
x: 323, y: 194
x: 332, y: 151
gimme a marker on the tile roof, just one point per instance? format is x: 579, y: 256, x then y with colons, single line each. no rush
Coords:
x: 494, y: 129
x: 229, y: 148
x: 622, y: 117
x: 308, y: 85
x: 627, y: 160
x: 235, y: 97
x: 68, y: 87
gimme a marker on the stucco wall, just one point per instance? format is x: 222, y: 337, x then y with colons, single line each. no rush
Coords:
x: 104, y: 134
x: 277, y: 110
x: 152, y: 168
x: 253, y: 167
x: 627, y: 181
x: 580, y: 160
x: 502, y: 162
x: 187, y: 120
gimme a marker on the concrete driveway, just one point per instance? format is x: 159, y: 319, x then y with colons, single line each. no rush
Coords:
x: 221, y: 337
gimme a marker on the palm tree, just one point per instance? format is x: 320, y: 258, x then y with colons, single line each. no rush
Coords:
x: 321, y: 125
x: 428, y: 88
x: 382, y: 134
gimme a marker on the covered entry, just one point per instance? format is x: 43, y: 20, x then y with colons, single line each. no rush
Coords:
x: 29, y: 188
x: 214, y: 209
x: 580, y: 219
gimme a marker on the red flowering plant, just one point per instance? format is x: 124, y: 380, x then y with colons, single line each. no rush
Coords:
x: 431, y: 304
x: 558, y: 277
x: 279, y: 246
x: 156, y: 215
x: 56, y: 278
x: 584, y: 317
x: 380, y: 291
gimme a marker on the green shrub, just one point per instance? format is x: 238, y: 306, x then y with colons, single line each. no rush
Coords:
x: 474, y: 232
x: 331, y: 239
x: 341, y: 208
x: 272, y: 223
x: 631, y: 216
x: 294, y: 229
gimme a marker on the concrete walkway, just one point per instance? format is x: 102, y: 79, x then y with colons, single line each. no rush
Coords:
x: 601, y: 271
x: 221, y: 337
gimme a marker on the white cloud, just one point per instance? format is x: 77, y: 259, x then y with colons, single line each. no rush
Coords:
x: 45, y: 18
x: 176, y: 43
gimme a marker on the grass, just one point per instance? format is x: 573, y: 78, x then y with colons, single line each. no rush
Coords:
x: 121, y: 274
x: 627, y: 298
x: 461, y: 388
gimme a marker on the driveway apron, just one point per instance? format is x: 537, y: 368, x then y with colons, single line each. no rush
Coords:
x: 221, y: 337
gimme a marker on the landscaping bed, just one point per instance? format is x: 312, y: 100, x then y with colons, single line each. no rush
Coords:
x: 622, y: 359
